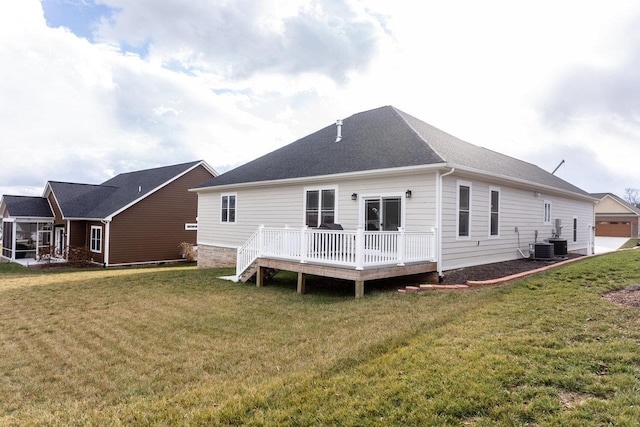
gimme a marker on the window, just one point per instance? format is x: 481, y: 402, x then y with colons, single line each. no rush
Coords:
x: 464, y: 209
x: 320, y: 207
x: 575, y: 229
x: 191, y: 226
x: 96, y: 239
x: 228, y: 211
x: 494, y: 220
x: 547, y: 212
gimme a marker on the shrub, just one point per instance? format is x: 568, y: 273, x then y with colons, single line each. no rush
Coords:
x: 189, y: 253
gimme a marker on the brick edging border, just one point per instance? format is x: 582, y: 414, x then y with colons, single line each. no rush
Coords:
x: 505, y: 279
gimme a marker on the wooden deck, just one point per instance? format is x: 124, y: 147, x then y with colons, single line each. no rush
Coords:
x: 358, y: 276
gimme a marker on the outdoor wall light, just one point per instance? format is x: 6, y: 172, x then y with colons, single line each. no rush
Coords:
x: 408, y: 194
x: 354, y: 196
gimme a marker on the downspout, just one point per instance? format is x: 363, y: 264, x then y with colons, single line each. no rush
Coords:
x: 439, y: 218
x: 107, y: 229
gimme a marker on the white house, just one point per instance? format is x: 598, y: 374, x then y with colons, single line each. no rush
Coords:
x: 409, y: 198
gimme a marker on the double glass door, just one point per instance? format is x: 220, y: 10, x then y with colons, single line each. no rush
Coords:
x: 383, y: 213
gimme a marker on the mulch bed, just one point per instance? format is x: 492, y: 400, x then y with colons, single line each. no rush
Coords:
x: 497, y: 270
x: 628, y: 297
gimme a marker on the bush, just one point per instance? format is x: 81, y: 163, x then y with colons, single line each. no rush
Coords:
x: 189, y: 253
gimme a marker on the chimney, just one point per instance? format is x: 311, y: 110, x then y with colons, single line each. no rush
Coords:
x: 339, y: 128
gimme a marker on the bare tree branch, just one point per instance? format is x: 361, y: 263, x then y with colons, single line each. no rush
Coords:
x: 632, y: 196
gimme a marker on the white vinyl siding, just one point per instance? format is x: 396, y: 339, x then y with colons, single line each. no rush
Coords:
x: 283, y: 205
x: 519, y: 208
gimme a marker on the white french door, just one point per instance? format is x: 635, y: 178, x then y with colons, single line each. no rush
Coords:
x: 382, y: 213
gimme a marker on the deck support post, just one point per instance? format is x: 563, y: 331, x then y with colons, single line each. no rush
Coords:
x: 301, y: 282
x: 259, y: 277
x: 359, y: 288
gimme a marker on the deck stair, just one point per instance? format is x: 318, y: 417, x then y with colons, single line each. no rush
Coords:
x: 422, y: 288
x: 250, y: 273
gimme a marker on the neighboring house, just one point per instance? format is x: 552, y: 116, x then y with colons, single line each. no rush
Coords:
x: 410, y: 198
x: 133, y: 218
x: 615, y: 217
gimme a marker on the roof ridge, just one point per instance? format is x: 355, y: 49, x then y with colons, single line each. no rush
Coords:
x: 82, y: 183
x: 402, y: 115
x: 193, y: 162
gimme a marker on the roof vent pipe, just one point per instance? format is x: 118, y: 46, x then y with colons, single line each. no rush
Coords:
x: 339, y: 128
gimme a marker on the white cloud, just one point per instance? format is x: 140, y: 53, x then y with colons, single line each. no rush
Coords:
x: 238, y: 39
x: 229, y: 81
x: 76, y: 111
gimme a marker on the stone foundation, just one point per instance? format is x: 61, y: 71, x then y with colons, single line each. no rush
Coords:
x: 216, y: 257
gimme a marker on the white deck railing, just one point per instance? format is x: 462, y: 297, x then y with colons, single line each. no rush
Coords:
x: 357, y: 249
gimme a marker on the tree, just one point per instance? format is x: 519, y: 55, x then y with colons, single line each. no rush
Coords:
x: 632, y: 196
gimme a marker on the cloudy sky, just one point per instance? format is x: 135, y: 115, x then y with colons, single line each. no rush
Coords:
x: 92, y: 88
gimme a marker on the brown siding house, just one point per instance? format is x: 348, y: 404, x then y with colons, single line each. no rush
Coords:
x: 153, y: 229
x: 133, y: 218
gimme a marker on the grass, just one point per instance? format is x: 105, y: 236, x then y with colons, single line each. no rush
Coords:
x: 631, y: 243
x: 176, y: 345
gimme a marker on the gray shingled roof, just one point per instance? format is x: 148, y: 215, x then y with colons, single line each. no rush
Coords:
x: 382, y: 138
x: 100, y: 201
x: 619, y: 199
x: 87, y: 201
x: 25, y: 206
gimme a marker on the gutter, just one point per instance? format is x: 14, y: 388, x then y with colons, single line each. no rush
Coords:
x: 337, y: 176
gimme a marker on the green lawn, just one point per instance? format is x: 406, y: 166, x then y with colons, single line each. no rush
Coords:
x: 177, y: 346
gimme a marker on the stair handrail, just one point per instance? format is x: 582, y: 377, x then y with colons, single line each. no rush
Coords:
x: 248, y: 252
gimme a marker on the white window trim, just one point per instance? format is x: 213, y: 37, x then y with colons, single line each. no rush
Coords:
x: 223, y: 195
x: 459, y: 184
x: 545, y: 220
x: 336, y: 195
x: 491, y: 190
x: 99, y: 241
x: 191, y: 226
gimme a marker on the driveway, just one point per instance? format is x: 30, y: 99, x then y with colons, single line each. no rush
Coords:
x: 608, y: 244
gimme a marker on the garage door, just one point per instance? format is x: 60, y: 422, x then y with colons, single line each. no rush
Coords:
x: 613, y: 229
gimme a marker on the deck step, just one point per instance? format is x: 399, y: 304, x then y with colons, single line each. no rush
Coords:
x: 410, y: 289
x: 249, y: 274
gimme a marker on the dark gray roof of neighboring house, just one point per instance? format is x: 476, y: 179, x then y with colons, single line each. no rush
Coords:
x: 383, y: 138
x: 601, y: 196
x: 100, y: 201
x: 25, y: 206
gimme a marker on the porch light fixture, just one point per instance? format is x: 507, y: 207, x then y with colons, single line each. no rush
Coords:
x: 354, y: 196
x: 408, y: 194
